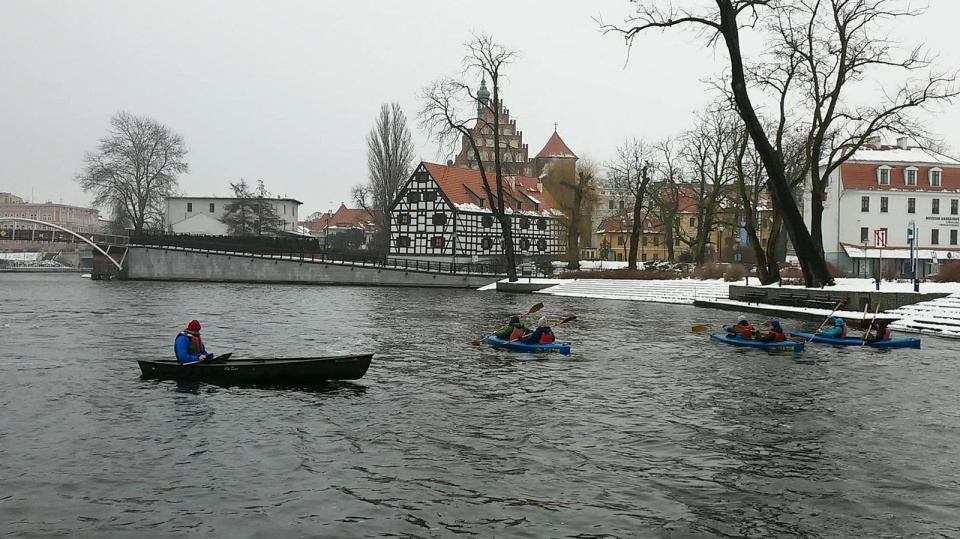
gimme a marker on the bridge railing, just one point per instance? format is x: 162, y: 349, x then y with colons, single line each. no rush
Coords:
x: 58, y: 236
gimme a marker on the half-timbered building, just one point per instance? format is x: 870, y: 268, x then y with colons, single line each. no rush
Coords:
x: 442, y: 213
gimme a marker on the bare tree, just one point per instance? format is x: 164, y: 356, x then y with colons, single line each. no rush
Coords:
x: 630, y: 170
x: 575, y: 191
x: 664, y: 191
x: 442, y: 119
x: 725, y: 23
x: 136, y: 166
x: 390, y: 154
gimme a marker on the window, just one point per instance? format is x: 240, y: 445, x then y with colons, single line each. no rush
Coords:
x: 644, y: 241
x: 439, y: 218
x: 693, y: 222
x: 864, y: 204
x: 884, y: 204
x: 935, y: 237
x: 211, y: 208
x: 524, y: 223
x: 541, y: 224
x: 403, y: 219
x: 621, y: 204
x: 953, y: 237
x: 541, y: 245
x: 524, y: 244
x: 486, y: 221
x: 643, y: 257
x: 421, y: 176
x: 610, y: 205
x: 910, y: 175
x: 284, y: 209
x: 935, y: 175
x: 403, y: 241
x: 413, y: 196
x: 656, y: 240
x: 883, y: 175
x: 619, y: 240
x: 430, y: 196
x: 953, y: 207
x: 935, y: 206
x: 864, y: 234
x: 911, y: 205
x: 482, y: 202
x: 189, y: 207
x: 437, y: 242
x: 486, y: 243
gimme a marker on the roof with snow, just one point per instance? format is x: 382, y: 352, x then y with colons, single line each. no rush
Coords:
x: 555, y: 147
x: 623, y: 223
x: 896, y: 154
x: 343, y: 218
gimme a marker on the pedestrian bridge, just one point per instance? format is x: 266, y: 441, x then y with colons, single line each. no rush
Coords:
x: 101, y: 243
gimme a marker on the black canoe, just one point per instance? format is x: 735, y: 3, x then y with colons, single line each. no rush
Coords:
x: 295, y: 370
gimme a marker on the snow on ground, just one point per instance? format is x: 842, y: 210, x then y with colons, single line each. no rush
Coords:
x: 936, y: 317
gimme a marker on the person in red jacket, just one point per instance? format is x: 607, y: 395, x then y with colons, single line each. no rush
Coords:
x: 189, y: 346
x: 879, y: 333
x: 745, y: 330
x: 775, y: 334
x: 542, y: 335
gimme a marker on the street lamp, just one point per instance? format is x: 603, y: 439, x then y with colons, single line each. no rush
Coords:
x: 720, y: 243
x: 911, y: 233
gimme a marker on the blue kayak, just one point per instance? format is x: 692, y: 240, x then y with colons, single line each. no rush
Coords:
x: 858, y: 341
x: 782, y: 346
x: 517, y: 346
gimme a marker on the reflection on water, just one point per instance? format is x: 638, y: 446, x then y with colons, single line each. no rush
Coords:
x: 646, y: 430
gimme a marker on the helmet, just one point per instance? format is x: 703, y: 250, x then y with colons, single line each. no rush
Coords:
x: 838, y: 321
x: 775, y: 323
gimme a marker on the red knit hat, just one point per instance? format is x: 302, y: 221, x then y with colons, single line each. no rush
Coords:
x: 193, y: 326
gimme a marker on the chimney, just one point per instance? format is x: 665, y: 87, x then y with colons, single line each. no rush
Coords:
x: 511, y: 181
x: 449, y: 162
x: 902, y: 143
x: 873, y: 142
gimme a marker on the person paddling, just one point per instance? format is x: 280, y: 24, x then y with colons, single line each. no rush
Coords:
x: 839, y: 329
x: 775, y: 334
x: 542, y: 335
x: 744, y: 331
x: 880, y: 333
x: 513, y: 330
x: 189, y: 346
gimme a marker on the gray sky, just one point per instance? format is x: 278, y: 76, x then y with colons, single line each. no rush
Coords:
x: 286, y: 91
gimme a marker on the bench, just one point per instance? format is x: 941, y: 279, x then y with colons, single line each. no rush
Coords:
x: 755, y: 296
x: 823, y: 301
x: 789, y: 298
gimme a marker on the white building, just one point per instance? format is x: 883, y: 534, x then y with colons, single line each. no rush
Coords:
x: 888, y: 189
x: 202, y: 215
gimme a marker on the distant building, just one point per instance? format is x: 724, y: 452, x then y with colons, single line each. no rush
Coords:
x: 883, y: 189
x: 7, y: 198
x: 202, y: 215
x: 442, y: 213
x: 344, y: 219
x: 614, y: 232
x: 75, y: 218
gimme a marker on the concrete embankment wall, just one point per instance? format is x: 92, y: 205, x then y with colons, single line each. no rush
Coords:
x: 853, y: 300
x: 159, y: 264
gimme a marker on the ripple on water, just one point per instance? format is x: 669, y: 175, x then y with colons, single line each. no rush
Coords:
x: 647, y: 430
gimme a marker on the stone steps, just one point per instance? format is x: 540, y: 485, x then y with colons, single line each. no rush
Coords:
x: 681, y: 291
x: 936, y: 317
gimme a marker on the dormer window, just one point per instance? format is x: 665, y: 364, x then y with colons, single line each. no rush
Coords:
x: 910, y: 176
x: 935, y: 176
x: 883, y: 175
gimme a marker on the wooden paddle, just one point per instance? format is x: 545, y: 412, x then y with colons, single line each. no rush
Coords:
x: 867, y: 334
x: 559, y: 323
x: 535, y: 308
x: 217, y: 359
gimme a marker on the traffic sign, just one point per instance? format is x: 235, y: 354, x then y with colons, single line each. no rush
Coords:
x: 880, y: 238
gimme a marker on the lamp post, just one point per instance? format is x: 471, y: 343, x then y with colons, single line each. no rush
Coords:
x: 720, y: 243
x: 866, y: 267
x: 911, y: 233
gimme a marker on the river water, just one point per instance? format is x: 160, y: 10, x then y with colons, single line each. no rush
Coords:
x: 646, y: 430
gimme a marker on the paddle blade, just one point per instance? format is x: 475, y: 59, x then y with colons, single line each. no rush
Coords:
x: 699, y: 328
x: 565, y: 320
x: 534, y: 309
x: 798, y: 339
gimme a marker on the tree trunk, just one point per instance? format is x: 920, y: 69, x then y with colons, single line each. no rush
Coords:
x: 635, y: 235
x: 815, y: 272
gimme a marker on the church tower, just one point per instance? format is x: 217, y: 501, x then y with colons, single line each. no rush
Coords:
x: 555, y: 153
x: 513, y: 152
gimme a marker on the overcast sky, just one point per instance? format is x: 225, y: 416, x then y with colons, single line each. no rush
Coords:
x: 287, y: 91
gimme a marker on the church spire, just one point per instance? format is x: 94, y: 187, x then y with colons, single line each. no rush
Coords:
x: 483, y: 96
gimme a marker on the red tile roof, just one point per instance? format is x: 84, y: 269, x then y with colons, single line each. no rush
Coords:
x: 344, y: 217
x: 555, y: 147
x: 864, y: 176
x: 623, y: 222
x: 464, y: 185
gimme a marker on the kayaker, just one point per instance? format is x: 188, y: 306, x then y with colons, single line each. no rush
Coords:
x: 513, y: 330
x: 744, y: 332
x: 839, y: 329
x: 775, y: 334
x: 542, y: 335
x: 879, y: 333
x: 189, y: 346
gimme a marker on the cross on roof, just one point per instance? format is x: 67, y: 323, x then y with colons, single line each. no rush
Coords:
x: 554, y: 126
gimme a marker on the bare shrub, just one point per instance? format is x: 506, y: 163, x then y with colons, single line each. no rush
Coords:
x: 949, y: 273
x: 708, y: 271
x: 735, y: 272
x: 625, y: 273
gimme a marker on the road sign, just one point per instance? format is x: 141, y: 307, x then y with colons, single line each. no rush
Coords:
x: 880, y: 238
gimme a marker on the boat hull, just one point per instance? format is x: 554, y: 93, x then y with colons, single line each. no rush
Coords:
x: 300, y: 371
x: 781, y: 346
x: 517, y: 346
x: 855, y: 341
